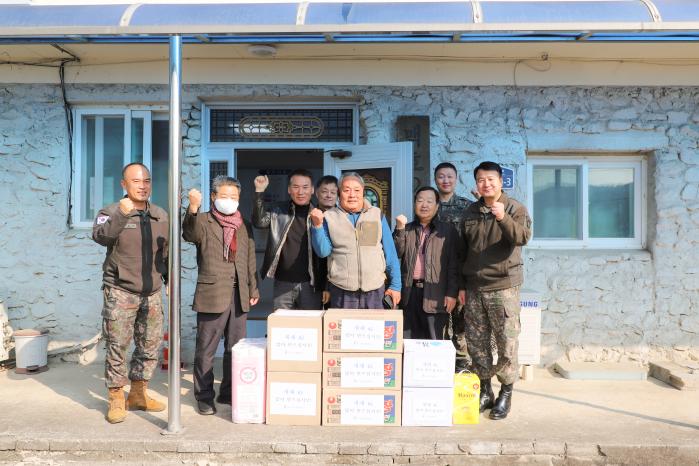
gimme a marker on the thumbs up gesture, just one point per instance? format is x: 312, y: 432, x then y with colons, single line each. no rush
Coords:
x: 194, y: 201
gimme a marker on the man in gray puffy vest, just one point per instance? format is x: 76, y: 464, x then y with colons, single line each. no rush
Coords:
x: 358, y: 243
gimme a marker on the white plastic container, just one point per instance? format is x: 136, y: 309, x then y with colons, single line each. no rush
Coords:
x: 31, y: 349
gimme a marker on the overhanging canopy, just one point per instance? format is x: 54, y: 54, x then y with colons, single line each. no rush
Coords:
x: 309, y: 22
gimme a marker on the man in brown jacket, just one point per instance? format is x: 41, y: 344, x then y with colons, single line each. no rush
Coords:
x: 135, y: 233
x: 494, y: 230
x: 226, y: 284
x: 427, y: 250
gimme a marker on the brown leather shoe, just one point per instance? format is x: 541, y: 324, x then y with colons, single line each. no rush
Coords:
x: 139, y: 400
x: 117, y: 406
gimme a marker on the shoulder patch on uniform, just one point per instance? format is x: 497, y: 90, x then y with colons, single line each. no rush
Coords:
x: 102, y: 219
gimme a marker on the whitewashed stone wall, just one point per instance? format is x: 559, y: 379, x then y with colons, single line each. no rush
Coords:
x: 597, y: 305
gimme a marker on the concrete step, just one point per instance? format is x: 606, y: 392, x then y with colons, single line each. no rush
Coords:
x: 600, y: 371
x: 15, y: 450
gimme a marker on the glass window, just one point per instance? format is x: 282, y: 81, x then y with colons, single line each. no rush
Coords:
x: 557, y: 201
x: 107, y: 141
x: 611, y: 209
x: 587, y: 202
x: 282, y: 125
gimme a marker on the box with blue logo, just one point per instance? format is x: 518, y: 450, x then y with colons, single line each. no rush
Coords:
x: 363, y: 330
x: 362, y: 370
x: 353, y: 407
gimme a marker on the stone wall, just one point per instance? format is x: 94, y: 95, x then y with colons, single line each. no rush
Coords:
x: 597, y: 305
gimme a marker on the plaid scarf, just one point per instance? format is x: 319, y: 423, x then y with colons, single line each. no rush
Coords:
x: 230, y: 224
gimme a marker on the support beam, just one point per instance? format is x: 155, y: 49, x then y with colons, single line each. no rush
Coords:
x: 174, y: 425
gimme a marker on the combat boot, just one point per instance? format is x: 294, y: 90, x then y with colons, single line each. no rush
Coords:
x: 139, y: 399
x: 117, y: 406
x: 487, y: 398
x: 503, y: 403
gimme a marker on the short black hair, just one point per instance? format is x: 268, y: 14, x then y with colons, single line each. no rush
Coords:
x: 123, y: 170
x: 327, y: 179
x: 427, y: 188
x: 300, y: 172
x: 445, y: 165
x: 489, y: 167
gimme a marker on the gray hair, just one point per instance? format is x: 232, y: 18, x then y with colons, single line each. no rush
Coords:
x: 355, y: 175
x: 223, y: 180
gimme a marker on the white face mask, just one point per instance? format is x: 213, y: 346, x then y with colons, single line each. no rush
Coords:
x: 226, y: 206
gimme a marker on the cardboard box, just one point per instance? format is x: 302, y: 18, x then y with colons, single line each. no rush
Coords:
x: 362, y: 370
x: 427, y: 406
x: 363, y: 330
x: 248, y: 359
x: 529, y: 352
x: 293, y: 398
x: 429, y: 363
x: 350, y: 407
x: 294, y: 341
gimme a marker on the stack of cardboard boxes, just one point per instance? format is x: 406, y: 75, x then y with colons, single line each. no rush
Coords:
x: 362, y: 367
x: 428, y: 382
x: 294, y: 363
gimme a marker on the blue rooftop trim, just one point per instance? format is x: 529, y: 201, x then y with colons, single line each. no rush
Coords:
x: 680, y: 36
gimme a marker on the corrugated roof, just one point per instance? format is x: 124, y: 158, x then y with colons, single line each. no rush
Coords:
x: 399, y: 21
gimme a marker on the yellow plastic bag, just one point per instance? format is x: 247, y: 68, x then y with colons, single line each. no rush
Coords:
x: 467, y: 389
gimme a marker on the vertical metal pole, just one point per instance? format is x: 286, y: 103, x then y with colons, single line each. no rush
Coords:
x: 175, y: 169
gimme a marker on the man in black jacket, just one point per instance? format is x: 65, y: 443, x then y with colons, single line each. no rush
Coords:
x: 289, y: 258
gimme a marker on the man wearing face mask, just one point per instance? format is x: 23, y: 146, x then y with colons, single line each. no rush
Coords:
x: 226, y: 284
x: 289, y: 258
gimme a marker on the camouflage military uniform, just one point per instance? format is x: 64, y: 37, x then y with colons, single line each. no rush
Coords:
x: 496, y: 313
x: 125, y: 316
x: 452, y: 211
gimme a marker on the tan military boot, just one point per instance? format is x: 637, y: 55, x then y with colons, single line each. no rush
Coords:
x: 117, y: 406
x: 139, y: 399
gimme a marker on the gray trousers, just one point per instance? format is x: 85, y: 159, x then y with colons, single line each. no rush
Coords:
x: 301, y: 295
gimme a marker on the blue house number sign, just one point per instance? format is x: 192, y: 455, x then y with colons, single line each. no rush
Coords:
x: 508, y: 178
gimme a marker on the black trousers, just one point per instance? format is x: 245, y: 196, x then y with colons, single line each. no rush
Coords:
x: 421, y: 325
x: 231, y: 324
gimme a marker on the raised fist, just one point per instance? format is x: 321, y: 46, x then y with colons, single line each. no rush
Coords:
x: 261, y: 183
x: 126, y: 205
x: 401, y: 221
x: 194, y: 200
x: 498, y: 209
x: 317, y: 217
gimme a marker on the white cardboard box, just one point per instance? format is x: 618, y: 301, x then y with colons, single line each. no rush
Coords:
x: 427, y: 406
x: 248, y: 361
x: 295, y: 341
x: 429, y: 363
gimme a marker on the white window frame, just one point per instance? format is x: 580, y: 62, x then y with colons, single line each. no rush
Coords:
x: 226, y: 151
x: 79, y: 141
x: 586, y: 162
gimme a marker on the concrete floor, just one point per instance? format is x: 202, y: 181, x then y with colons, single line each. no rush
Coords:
x: 68, y: 402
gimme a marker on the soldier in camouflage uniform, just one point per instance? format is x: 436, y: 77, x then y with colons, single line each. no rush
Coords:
x: 494, y: 230
x: 451, y: 210
x: 135, y: 233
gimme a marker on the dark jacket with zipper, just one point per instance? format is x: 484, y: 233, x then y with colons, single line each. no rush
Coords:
x: 137, y: 248
x: 278, y: 219
x: 441, y: 262
x: 217, y: 277
x: 492, y: 249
